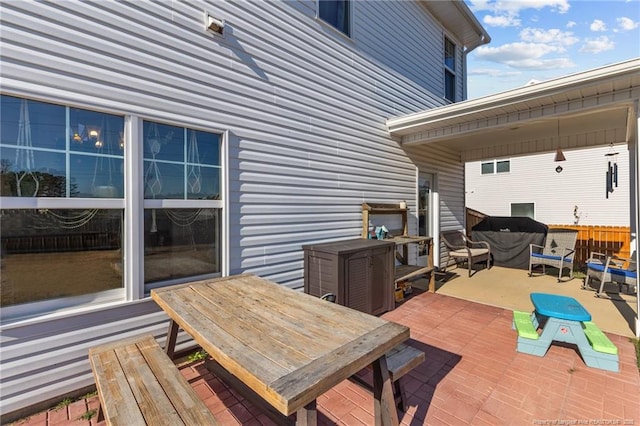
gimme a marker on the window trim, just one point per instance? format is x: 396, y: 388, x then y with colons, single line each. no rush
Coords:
x: 447, y: 70
x: 511, y: 209
x: 495, y: 162
x: 133, y: 205
x: 349, y: 34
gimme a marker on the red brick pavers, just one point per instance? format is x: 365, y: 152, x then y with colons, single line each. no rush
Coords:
x: 472, y: 376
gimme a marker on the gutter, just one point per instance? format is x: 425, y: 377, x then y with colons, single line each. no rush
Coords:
x: 545, y: 88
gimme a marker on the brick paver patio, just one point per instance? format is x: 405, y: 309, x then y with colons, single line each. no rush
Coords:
x: 472, y: 376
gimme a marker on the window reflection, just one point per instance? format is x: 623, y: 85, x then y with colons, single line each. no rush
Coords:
x: 181, y: 243
x: 44, y: 156
x: 180, y: 163
x: 54, y: 253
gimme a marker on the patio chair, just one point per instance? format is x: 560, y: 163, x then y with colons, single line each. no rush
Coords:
x: 558, y: 251
x: 462, y: 249
x: 611, y: 269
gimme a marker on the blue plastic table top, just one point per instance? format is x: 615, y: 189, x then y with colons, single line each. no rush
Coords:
x: 561, y: 307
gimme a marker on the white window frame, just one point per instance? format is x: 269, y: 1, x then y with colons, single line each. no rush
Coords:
x: 531, y: 203
x: 495, y: 166
x: 448, y: 69
x: 133, y: 204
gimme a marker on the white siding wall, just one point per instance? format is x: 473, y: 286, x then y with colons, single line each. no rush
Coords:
x: 533, y: 179
x: 305, y: 110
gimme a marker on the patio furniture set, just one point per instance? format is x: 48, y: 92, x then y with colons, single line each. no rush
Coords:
x: 278, y: 347
x: 281, y: 349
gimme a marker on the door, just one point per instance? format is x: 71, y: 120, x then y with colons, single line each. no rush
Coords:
x: 426, y: 188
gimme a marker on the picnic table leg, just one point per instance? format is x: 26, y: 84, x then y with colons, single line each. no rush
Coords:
x: 383, y: 400
x: 172, y: 336
x: 308, y: 415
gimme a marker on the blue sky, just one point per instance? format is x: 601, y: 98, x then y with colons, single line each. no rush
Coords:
x: 545, y: 39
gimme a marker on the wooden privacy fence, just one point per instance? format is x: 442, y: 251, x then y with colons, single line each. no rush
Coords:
x: 603, y: 239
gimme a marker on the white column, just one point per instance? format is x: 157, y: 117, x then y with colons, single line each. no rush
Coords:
x: 634, y: 151
x: 134, y: 210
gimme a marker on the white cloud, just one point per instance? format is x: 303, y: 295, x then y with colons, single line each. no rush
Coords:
x: 597, y: 25
x: 501, y: 21
x: 550, y: 36
x: 506, y: 13
x: 597, y: 45
x: 627, y: 24
x: 571, y: 24
x: 524, y: 55
x: 514, y: 51
x: 492, y: 72
x: 513, y: 7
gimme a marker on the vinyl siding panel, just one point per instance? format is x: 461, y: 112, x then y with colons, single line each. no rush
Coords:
x: 533, y: 179
x: 304, y: 109
x: 449, y: 171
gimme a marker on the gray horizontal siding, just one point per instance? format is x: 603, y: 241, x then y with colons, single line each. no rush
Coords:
x: 305, y: 112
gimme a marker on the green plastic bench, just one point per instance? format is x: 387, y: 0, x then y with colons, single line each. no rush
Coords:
x: 524, y: 326
x: 598, y: 340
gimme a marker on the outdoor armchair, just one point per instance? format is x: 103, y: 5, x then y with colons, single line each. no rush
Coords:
x: 611, y: 269
x: 462, y: 249
x: 558, y: 251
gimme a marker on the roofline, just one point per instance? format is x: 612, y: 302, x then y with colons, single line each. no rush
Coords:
x: 462, y: 8
x: 537, y: 90
x: 483, y: 35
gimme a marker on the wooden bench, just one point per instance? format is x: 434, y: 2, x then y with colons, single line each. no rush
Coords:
x: 400, y: 360
x: 139, y: 385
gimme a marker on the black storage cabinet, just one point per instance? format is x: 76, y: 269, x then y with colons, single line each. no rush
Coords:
x: 359, y: 272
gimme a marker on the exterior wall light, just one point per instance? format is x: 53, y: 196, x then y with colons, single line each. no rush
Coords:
x: 214, y: 25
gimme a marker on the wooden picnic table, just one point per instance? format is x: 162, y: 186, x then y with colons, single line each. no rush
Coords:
x: 284, y: 345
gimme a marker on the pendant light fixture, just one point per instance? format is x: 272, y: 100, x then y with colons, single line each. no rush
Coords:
x: 559, y: 154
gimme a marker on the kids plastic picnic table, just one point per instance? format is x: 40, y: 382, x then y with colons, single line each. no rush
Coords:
x: 564, y: 319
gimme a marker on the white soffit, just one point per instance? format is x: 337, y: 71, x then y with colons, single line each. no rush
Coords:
x: 597, y: 100
x: 457, y: 18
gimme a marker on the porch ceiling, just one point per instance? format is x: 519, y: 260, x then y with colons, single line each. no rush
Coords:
x: 580, y: 110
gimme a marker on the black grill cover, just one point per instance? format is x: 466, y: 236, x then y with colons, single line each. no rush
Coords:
x: 509, y: 238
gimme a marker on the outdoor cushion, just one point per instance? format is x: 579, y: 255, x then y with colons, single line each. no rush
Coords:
x: 613, y: 271
x: 624, y: 272
x: 549, y: 256
x: 463, y: 252
x: 596, y: 267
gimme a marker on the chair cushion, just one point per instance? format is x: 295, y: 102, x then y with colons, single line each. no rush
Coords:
x: 550, y: 257
x: 463, y: 253
x: 623, y: 272
x: 599, y: 267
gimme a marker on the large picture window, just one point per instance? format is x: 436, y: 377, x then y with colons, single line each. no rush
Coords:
x: 65, y: 212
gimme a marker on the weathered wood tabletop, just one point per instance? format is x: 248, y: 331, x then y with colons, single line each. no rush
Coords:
x: 285, y: 345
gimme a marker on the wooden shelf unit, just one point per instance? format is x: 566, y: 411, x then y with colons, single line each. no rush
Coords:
x: 404, y: 271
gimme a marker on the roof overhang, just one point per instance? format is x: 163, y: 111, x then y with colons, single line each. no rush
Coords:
x: 458, y: 19
x: 579, y: 110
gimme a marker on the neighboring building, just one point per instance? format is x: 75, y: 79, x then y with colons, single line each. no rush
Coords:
x: 140, y: 150
x: 530, y: 186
